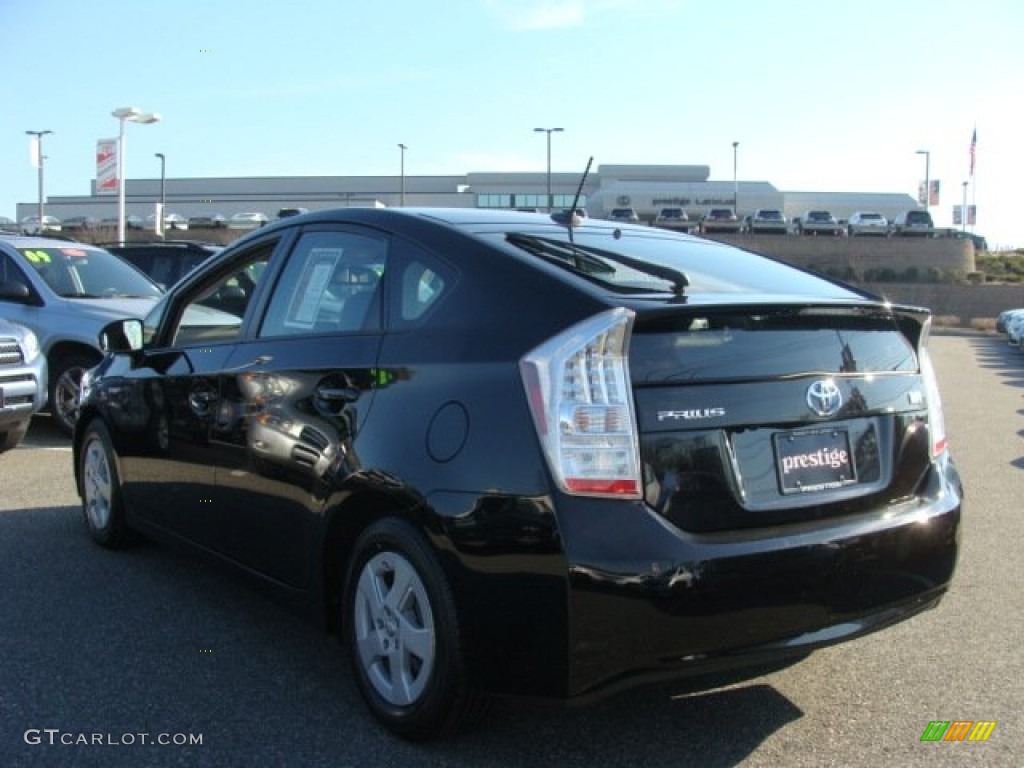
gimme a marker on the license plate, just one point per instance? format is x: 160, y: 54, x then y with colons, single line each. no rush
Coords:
x: 814, y: 460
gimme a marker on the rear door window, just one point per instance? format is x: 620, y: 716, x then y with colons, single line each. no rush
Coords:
x: 331, y: 284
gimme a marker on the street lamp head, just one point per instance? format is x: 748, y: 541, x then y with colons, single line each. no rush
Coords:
x: 548, y: 130
x: 135, y: 115
x: 40, y: 134
x: 402, y: 147
x: 922, y: 152
x: 160, y: 155
x: 735, y: 144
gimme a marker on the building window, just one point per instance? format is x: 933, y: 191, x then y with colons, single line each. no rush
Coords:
x: 494, y: 201
x: 527, y: 201
x: 565, y: 201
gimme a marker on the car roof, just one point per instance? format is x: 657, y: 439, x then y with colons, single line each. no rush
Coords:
x: 165, y: 245
x: 460, y: 218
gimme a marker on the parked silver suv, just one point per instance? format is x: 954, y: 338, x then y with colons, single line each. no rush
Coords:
x: 867, y: 223
x: 65, y: 292
x: 22, y: 382
x: 915, y: 223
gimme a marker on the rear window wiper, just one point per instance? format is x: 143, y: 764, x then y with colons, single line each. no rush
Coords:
x: 594, y: 261
x: 562, y: 253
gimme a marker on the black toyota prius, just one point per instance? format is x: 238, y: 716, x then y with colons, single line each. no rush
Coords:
x: 520, y: 454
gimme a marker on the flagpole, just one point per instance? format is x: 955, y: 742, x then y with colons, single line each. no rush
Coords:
x: 974, y: 181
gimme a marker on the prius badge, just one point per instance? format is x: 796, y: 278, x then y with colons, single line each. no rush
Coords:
x: 824, y: 397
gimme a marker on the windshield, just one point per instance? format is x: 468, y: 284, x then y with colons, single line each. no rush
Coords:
x: 79, y: 272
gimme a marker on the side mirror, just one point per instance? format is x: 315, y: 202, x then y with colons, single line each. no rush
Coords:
x: 14, y: 289
x: 121, y: 336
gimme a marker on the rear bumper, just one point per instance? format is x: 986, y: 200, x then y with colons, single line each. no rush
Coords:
x: 684, y: 605
x: 569, y: 597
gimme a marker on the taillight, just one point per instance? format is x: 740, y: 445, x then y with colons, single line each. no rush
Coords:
x: 578, y: 388
x: 936, y: 419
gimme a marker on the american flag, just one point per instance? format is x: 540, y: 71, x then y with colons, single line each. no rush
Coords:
x: 974, y: 143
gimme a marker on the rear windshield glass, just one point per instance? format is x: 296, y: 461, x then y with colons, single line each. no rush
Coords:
x: 707, y: 267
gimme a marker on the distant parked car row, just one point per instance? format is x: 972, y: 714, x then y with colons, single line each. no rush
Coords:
x: 30, y: 225
x: 817, y: 222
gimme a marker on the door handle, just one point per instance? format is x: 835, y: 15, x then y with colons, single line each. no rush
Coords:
x: 338, y: 394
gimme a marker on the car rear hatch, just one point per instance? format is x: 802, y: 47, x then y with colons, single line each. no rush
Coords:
x: 762, y: 415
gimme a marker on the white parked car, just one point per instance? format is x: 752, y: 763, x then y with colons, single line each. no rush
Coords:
x: 1015, y: 329
x: 1005, y: 316
x: 867, y: 223
x: 30, y: 225
x: 673, y: 218
x: 247, y: 221
x: 767, y: 221
x: 818, y: 223
x: 624, y: 214
x: 171, y: 221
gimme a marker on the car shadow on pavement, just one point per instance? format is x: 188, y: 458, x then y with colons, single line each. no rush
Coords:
x: 1007, y: 362
x: 710, y: 728
x: 44, y: 433
x: 994, y: 353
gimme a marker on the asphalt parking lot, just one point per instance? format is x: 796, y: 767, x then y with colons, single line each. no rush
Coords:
x: 118, y: 653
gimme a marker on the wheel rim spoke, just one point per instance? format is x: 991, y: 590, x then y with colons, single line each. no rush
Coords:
x: 394, y: 629
x: 97, y: 485
x: 66, y: 393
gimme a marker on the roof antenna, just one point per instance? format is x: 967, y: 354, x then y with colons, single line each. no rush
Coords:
x: 570, y: 217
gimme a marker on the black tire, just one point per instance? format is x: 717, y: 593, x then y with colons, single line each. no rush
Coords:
x: 406, y: 649
x: 65, y: 378
x: 102, y: 502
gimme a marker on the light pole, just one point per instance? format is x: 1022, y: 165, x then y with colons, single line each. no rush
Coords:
x: 549, y: 131
x: 39, y: 161
x: 927, y: 176
x: 163, y: 196
x: 735, y: 182
x: 124, y: 115
x: 963, y: 211
x: 401, y: 198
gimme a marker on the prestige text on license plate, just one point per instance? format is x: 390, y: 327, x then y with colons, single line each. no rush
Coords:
x: 814, y: 460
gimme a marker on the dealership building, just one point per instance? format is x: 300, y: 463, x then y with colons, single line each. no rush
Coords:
x: 645, y: 188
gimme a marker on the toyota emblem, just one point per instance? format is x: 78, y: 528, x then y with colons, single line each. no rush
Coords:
x: 824, y: 397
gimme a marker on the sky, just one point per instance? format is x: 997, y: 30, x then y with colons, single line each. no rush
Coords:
x: 822, y: 95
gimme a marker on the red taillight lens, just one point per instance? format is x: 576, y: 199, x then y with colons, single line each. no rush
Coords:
x: 578, y: 388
